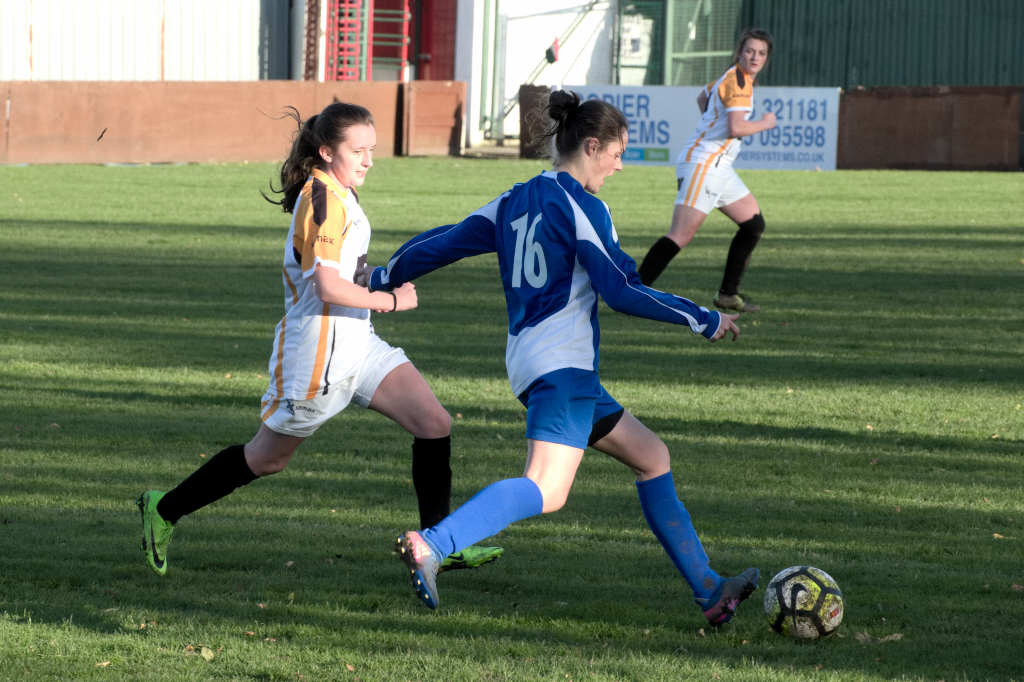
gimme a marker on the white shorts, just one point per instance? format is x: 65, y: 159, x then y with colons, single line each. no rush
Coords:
x: 301, y: 418
x: 707, y: 188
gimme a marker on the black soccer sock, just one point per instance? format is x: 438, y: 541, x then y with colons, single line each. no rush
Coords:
x: 432, y: 478
x: 226, y: 471
x: 740, y: 250
x: 657, y: 259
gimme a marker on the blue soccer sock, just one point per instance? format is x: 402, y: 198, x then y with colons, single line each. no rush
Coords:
x: 671, y: 523
x: 486, y: 513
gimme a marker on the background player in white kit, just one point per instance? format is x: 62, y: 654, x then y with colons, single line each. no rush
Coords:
x: 557, y: 251
x: 705, y: 177
x: 326, y: 353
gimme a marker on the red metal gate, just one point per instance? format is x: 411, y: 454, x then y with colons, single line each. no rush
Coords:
x: 347, y: 57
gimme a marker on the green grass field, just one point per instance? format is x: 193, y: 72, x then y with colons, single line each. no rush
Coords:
x: 870, y: 421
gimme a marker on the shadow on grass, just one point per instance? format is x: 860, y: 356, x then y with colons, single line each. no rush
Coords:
x: 288, y: 571
x: 906, y: 535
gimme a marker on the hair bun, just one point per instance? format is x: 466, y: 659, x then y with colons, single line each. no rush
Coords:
x: 562, y: 103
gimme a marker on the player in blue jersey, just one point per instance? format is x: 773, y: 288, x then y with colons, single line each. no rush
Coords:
x: 558, y: 251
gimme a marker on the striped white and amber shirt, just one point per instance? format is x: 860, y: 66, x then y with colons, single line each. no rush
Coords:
x: 711, y: 144
x: 316, y: 343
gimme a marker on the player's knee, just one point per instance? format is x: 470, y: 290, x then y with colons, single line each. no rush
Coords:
x: 554, y: 497
x: 753, y: 227
x: 656, y: 461
x: 553, y: 503
x: 682, y: 239
x: 268, y: 465
x: 438, y: 424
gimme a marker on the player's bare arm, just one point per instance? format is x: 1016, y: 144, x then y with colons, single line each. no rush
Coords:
x: 740, y: 127
x: 333, y: 288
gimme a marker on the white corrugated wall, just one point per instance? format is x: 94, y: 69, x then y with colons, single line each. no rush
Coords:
x: 204, y: 40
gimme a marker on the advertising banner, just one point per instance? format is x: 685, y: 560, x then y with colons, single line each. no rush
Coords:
x: 662, y: 118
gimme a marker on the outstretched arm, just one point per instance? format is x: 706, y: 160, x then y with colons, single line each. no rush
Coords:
x: 437, y: 248
x: 614, y: 276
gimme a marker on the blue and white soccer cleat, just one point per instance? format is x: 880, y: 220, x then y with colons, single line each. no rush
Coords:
x: 423, y: 566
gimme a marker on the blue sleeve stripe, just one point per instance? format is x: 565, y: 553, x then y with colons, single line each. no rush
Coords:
x: 585, y: 232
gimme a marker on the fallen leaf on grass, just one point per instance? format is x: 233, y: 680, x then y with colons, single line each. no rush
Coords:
x: 997, y: 536
x: 865, y: 638
x: 103, y: 664
x: 1017, y: 588
x: 207, y: 653
x: 349, y: 667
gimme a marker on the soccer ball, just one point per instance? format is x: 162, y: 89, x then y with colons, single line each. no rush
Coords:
x: 803, y: 602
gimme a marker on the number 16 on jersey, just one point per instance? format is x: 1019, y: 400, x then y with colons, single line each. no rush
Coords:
x: 529, y: 255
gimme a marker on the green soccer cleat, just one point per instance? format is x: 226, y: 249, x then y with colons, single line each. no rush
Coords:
x: 739, y: 303
x: 471, y: 557
x: 156, y: 533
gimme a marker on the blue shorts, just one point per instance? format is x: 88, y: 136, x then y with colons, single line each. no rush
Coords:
x: 569, y: 406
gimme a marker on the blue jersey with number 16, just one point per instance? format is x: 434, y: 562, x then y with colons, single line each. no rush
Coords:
x: 558, y: 251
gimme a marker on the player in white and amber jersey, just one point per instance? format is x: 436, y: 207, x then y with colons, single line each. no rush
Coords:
x: 317, y: 345
x: 326, y: 354
x: 712, y: 142
x: 706, y: 180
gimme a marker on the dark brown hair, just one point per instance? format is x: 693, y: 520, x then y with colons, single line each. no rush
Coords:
x: 756, y: 34
x: 328, y: 128
x: 574, y: 121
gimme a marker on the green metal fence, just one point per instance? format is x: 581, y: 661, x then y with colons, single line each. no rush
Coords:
x: 827, y: 43
x: 875, y: 43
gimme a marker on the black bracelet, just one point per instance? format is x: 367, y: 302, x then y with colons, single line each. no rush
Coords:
x: 394, y: 299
